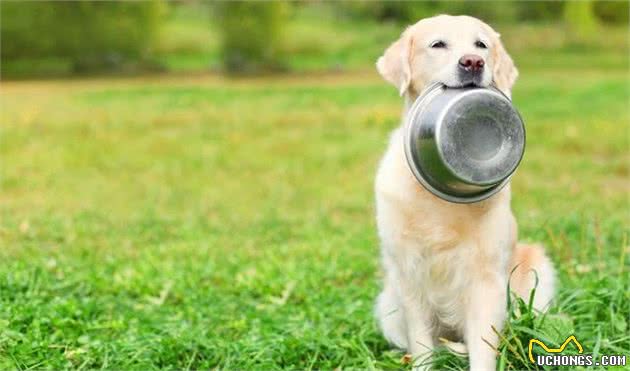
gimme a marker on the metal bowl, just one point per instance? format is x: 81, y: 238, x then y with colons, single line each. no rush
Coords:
x: 463, y: 144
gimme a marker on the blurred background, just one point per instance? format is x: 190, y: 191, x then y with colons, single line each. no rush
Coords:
x: 81, y: 37
x: 189, y: 184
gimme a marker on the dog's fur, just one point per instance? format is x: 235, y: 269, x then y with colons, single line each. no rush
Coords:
x: 447, y: 265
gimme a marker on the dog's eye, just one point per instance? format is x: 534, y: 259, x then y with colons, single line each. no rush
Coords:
x: 481, y: 44
x: 438, y: 44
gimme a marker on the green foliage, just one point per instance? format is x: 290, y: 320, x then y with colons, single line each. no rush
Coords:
x: 92, y: 34
x: 252, y: 34
x: 580, y: 21
x: 316, y: 35
x: 412, y: 11
x: 488, y: 11
x: 321, y: 37
x: 388, y: 10
x: 539, y: 10
x: 613, y: 11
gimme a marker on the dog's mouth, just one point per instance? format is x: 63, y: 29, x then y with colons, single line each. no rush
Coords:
x: 466, y: 84
x: 474, y: 81
x: 470, y: 84
x: 470, y: 81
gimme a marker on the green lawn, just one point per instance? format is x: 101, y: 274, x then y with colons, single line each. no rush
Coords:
x: 194, y: 222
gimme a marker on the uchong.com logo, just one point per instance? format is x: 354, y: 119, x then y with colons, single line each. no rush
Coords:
x: 553, y: 358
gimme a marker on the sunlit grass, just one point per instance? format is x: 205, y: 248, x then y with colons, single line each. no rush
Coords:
x: 197, y: 222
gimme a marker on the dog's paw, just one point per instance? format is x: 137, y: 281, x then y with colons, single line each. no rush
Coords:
x: 457, y: 348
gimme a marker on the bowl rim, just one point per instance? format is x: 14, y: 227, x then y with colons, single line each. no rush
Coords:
x: 432, y: 89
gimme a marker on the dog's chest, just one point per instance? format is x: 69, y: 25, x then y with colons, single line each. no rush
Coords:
x: 444, y: 277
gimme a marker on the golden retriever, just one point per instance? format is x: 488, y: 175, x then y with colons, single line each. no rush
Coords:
x: 447, y: 265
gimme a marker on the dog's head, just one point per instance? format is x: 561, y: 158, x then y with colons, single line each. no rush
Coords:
x: 454, y: 50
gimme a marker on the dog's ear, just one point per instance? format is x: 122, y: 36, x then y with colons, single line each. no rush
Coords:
x: 504, y: 72
x: 395, y: 64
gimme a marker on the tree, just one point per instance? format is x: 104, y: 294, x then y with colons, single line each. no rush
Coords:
x: 93, y: 35
x: 251, y: 35
x: 580, y: 21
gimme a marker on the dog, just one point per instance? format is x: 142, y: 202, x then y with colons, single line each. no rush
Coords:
x: 447, y: 265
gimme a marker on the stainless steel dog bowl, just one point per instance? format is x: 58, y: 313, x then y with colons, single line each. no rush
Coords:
x: 463, y: 144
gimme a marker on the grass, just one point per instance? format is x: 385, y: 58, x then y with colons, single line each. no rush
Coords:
x: 195, y: 222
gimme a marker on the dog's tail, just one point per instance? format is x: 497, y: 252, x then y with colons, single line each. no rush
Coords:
x: 530, y: 265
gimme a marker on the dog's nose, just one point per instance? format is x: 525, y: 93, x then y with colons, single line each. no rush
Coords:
x: 471, y: 62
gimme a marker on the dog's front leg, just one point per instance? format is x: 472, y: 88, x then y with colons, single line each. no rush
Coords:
x: 419, y: 329
x: 486, y: 308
